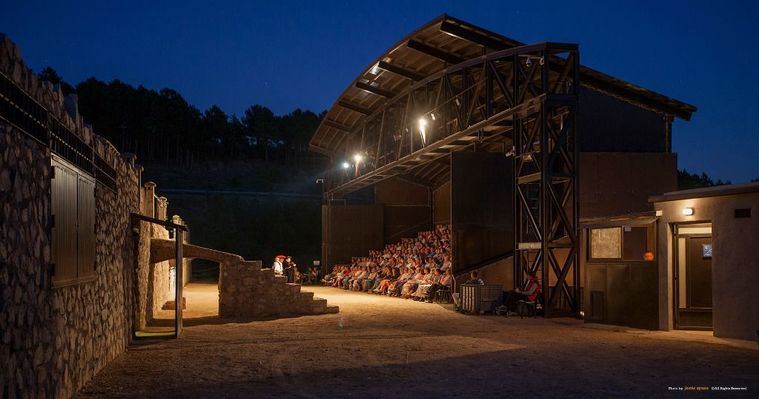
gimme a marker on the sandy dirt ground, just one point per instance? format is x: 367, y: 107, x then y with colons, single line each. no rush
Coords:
x: 379, y: 347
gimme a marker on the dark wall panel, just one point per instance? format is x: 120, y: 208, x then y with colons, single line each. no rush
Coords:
x: 481, y: 207
x: 627, y: 293
x: 405, y: 221
x: 619, y: 183
x: 610, y: 125
x: 350, y: 230
x: 441, y: 203
x: 401, y: 192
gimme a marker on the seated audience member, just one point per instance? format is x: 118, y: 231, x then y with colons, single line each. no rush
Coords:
x: 474, y: 279
x: 446, y: 262
x: 329, y: 278
x: 446, y: 282
x: 313, y: 275
x: 424, y: 286
x: 359, y: 280
x: 352, y: 277
x: 409, y: 287
x: 397, y: 285
x: 529, y: 293
x: 343, y: 279
x: 369, y: 281
x: 384, y: 284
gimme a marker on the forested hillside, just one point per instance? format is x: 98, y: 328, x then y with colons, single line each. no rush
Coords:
x: 162, y: 127
x: 182, y: 147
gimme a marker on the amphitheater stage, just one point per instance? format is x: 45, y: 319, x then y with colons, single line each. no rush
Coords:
x: 389, y: 347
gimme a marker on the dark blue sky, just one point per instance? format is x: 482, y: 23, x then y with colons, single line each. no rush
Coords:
x: 288, y: 55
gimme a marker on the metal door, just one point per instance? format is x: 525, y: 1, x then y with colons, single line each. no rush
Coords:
x: 693, y: 276
x: 699, y: 275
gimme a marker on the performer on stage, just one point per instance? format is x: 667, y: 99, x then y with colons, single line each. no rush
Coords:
x: 290, y: 269
x: 277, y: 266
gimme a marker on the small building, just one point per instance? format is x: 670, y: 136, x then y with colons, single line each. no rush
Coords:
x: 709, y: 259
x: 691, y: 263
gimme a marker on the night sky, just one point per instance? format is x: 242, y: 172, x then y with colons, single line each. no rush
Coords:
x: 288, y: 55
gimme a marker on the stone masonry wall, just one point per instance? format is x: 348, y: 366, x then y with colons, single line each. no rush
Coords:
x: 162, y: 283
x: 155, y: 280
x: 26, y: 347
x: 52, y: 341
x: 248, y: 291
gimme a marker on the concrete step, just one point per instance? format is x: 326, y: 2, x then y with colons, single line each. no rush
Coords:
x: 294, y: 287
x: 280, y: 279
x: 332, y: 309
x: 306, y: 296
x: 319, y: 305
x: 171, y: 305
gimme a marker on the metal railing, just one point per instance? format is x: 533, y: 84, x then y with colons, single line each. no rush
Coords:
x: 23, y: 112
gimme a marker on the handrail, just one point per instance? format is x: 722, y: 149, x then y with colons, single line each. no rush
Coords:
x: 164, y: 223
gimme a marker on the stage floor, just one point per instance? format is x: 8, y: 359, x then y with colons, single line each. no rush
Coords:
x: 379, y: 347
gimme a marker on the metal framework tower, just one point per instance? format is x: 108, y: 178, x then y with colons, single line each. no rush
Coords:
x: 546, y: 188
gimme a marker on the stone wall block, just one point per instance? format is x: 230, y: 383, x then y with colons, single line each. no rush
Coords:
x: 43, y: 328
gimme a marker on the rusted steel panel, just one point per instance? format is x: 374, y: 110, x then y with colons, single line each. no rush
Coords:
x: 350, y: 230
x: 482, y: 211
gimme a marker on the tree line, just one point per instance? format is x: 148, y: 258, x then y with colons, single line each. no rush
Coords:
x: 687, y: 180
x: 162, y: 127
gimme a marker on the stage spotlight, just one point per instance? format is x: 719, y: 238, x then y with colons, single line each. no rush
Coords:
x: 346, y: 165
x: 358, y: 158
x: 423, y: 129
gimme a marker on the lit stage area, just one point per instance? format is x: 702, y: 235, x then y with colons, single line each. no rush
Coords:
x: 389, y: 347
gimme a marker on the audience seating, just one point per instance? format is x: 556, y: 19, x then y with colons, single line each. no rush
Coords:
x: 413, y: 267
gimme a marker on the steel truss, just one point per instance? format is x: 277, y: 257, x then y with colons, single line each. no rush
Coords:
x: 525, y: 96
x: 546, y: 204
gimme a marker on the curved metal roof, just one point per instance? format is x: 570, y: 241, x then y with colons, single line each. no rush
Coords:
x: 442, y: 42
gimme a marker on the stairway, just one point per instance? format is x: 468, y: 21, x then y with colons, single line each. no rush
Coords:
x: 247, y: 290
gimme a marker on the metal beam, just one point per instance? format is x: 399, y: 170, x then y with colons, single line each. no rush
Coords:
x: 458, y: 31
x: 434, y: 52
x: 354, y: 107
x: 337, y: 125
x: 406, y: 73
x: 375, y: 90
x: 415, y: 158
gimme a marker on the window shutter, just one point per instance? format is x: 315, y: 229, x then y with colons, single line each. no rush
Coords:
x: 64, y: 207
x: 86, y: 213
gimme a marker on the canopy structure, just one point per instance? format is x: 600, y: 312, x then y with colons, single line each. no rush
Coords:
x: 439, y: 44
x: 451, y: 86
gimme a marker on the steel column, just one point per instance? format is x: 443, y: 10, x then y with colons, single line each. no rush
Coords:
x: 178, y: 277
